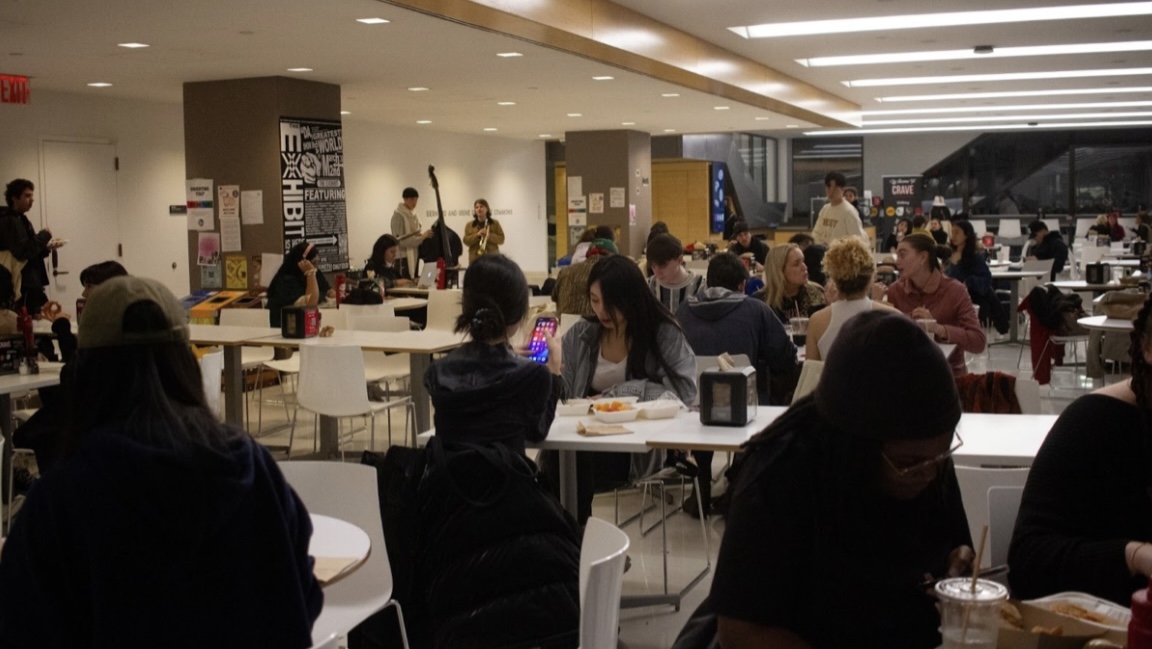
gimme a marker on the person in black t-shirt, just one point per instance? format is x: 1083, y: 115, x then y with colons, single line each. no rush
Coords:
x: 845, y: 508
x: 743, y: 242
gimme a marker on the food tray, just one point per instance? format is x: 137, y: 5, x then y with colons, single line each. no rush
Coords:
x: 1093, y: 604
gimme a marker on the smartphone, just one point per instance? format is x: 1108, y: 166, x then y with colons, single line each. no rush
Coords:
x: 537, y: 345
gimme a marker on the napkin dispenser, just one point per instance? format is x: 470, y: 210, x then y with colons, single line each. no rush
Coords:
x: 300, y: 322
x: 1094, y: 273
x: 728, y: 397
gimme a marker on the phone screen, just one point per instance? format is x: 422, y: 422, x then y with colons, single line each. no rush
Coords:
x: 538, y: 346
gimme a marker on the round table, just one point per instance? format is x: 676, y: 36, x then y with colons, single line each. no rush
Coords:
x: 399, y: 304
x: 1104, y: 323
x: 339, y: 548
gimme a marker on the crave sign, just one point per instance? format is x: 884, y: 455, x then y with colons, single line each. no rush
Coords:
x: 14, y: 89
x: 901, y: 196
x: 312, y: 187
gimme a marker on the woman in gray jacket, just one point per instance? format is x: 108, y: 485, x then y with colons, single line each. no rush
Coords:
x: 630, y: 347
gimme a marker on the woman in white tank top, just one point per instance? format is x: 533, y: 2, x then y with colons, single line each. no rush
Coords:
x: 850, y: 268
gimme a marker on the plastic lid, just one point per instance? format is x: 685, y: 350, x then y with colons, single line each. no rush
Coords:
x: 960, y: 589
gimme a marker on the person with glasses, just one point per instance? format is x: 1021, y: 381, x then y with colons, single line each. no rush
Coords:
x: 1085, y: 519
x: 846, y: 507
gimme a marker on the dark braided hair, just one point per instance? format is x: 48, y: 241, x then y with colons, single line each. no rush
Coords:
x: 1140, y: 368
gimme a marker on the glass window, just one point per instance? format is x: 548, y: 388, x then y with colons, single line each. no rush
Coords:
x: 812, y: 159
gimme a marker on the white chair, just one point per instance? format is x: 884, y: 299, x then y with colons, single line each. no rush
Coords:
x: 347, y: 492
x: 211, y: 369
x: 252, y: 358
x: 1010, y: 228
x: 1082, y: 227
x: 332, y: 384
x: 700, y: 265
x: 1028, y: 395
x: 335, y: 318
x: 809, y: 378
x: 979, y: 226
x: 378, y: 366
x: 443, y: 309
x: 355, y: 310
x: 975, y: 487
x: 1053, y: 224
x: 1003, y: 506
x: 601, y: 581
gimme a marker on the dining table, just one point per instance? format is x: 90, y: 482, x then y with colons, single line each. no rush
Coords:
x: 337, y: 548
x: 1014, y: 277
x: 231, y: 339
x: 10, y: 384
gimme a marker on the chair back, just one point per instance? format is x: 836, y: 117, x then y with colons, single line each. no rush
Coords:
x: 211, y: 367
x: 566, y: 322
x: 347, y: 492
x: 1028, y: 395
x: 1082, y: 227
x: 809, y: 378
x: 244, y: 317
x: 336, y: 318
x: 975, y: 491
x: 332, y: 380
x: 351, y: 310
x: 601, y: 580
x: 1039, y: 264
x: 1010, y: 228
x: 1003, y: 506
x: 979, y: 226
x: 1092, y: 254
x: 443, y: 309
x: 358, y: 322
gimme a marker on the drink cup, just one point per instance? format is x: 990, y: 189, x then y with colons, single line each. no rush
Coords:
x: 927, y: 325
x: 799, y: 331
x: 970, y: 619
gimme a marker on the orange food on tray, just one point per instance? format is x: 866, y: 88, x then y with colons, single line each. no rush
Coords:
x: 1079, y: 612
x: 611, y: 406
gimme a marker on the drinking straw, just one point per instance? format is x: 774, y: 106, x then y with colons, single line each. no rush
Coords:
x: 975, y: 576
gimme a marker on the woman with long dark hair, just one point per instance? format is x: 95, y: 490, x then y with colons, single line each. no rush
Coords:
x: 161, y: 522
x: 297, y: 282
x: 482, y: 511
x: 1085, y: 521
x: 482, y: 229
x: 382, y: 264
x: 630, y: 347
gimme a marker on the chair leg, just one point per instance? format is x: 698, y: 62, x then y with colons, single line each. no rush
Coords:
x: 663, y: 533
x: 400, y: 619
x: 292, y: 432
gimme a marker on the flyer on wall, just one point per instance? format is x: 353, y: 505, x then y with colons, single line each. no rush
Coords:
x: 312, y: 185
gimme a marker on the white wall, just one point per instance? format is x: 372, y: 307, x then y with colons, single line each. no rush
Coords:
x: 907, y: 153
x: 149, y: 139
x: 379, y: 162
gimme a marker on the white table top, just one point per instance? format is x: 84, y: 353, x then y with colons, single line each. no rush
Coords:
x: 202, y: 334
x: 413, y: 342
x: 405, y: 303
x: 1104, y: 323
x: 1126, y: 263
x: 1081, y: 285
x: 1001, y: 440
x: 333, y: 538
x: 411, y: 291
x: 49, y: 375
x: 1017, y: 274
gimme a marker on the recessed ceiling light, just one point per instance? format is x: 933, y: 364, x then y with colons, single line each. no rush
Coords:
x: 793, y: 126
x: 935, y: 20
x: 977, y: 53
x: 1006, y: 76
x: 372, y: 21
x: 545, y: 135
x: 979, y: 127
x: 627, y: 123
x: 603, y: 78
x: 669, y: 130
x: 100, y: 84
x: 763, y: 119
x: 721, y: 107
x: 132, y: 46
x: 489, y: 129
x: 345, y: 112
x: 508, y: 55
x: 981, y: 109
x: 423, y: 121
x: 505, y: 103
x: 418, y: 89
x: 575, y: 115
x: 1012, y: 93
x: 670, y: 94
x: 299, y: 69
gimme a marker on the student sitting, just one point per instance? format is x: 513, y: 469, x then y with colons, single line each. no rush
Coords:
x: 671, y: 282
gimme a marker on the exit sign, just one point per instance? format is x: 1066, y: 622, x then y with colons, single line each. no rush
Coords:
x: 14, y: 89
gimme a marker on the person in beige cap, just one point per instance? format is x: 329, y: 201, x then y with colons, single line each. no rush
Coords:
x: 160, y: 522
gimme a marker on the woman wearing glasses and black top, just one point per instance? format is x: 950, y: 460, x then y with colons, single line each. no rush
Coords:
x: 845, y: 507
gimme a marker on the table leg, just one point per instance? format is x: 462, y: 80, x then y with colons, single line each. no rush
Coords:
x: 417, y: 366
x: 1013, y: 316
x: 234, y: 386
x: 6, y: 432
x: 568, y: 487
x: 329, y: 437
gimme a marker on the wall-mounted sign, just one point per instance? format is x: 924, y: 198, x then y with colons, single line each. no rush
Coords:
x: 14, y: 89
x: 312, y: 187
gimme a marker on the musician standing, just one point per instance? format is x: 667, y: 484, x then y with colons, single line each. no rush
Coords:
x: 483, y: 235
x: 406, y: 227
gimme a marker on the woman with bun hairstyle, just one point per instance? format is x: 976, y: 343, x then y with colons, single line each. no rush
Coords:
x: 482, y: 228
x: 850, y: 268
x: 481, y: 511
x: 925, y: 293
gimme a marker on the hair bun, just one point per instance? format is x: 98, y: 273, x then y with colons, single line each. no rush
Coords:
x: 487, y: 323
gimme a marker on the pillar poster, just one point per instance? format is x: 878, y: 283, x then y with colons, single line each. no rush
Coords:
x: 312, y: 187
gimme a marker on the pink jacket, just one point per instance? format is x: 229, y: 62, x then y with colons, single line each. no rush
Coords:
x: 950, y: 305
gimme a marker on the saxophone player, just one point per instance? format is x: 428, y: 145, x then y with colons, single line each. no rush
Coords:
x: 483, y: 235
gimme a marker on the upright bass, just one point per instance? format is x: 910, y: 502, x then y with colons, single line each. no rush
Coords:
x: 445, y: 247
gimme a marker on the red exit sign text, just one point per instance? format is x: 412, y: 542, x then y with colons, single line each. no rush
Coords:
x: 14, y: 89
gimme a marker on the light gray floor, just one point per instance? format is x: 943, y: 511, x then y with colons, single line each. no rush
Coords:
x: 657, y: 627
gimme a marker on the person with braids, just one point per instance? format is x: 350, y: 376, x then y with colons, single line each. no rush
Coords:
x: 925, y: 293
x: 1085, y: 521
x: 631, y: 346
x: 497, y: 559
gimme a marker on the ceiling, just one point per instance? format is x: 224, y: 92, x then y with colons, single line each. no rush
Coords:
x: 65, y: 45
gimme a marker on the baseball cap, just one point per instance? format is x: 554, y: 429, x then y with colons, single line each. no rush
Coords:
x: 102, y: 322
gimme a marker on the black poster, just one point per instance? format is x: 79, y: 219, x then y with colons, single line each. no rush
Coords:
x: 312, y: 186
x: 902, y: 196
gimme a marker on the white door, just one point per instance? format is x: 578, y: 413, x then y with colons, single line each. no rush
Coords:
x: 77, y: 199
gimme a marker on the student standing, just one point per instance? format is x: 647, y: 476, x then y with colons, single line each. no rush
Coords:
x: 482, y: 229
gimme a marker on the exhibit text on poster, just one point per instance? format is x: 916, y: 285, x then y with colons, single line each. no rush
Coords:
x: 312, y: 185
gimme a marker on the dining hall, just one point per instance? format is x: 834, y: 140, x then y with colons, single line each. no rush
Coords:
x: 559, y: 323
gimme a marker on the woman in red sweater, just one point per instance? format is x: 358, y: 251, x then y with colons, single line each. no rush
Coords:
x: 925, y: 293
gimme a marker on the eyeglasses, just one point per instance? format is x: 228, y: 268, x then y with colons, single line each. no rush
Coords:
x: 920, y: 467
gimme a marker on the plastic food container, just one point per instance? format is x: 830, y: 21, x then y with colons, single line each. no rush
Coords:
x: 1113, y: 616
x: 618, y: 417
x: 574, y: 408
x: 665, y: 409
